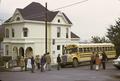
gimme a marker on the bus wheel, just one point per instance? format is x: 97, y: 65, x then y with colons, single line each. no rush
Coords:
x: 75, y: 63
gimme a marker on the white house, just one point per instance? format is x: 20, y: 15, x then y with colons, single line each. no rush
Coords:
x: 25, y: 32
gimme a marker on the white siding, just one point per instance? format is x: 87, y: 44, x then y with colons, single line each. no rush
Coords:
x: 36, y: 36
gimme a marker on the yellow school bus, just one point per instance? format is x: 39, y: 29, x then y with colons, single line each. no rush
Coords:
x: 75, y: 54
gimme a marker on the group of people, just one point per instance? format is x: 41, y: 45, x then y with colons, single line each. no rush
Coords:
x: 43, y: 63
x: 98, y: 59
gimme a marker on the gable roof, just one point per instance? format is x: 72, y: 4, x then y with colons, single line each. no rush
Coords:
x: 35, y: 11
x: 73, y: 35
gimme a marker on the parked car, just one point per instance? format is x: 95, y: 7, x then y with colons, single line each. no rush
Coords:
x: 116, y: 62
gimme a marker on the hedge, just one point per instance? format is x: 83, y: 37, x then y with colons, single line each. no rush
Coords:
x: 4, y: 59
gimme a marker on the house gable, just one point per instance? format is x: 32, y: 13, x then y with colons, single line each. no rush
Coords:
x: 16, y: 16
x: 60, y: 18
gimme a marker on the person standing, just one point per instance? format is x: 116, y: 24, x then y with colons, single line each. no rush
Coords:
x: 97, y: 61
x: 48, y: 61
x: 32, y: 63
x: 43, y: 62
x: 22, y: 63
x: 58, y: 61
x: 64, y: 59
x: 104, y: 59
x: 92, y: 61
x: 37, y: 61
x: 29, y: 66
x: 25, y: 63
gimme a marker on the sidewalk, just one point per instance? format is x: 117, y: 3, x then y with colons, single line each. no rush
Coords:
x: 18, y: 69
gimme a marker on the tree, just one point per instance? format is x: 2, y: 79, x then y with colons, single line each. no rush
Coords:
x: 97, y: 39
x: 114, y: 35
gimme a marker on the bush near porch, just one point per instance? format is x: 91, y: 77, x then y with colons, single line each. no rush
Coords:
x: 4, y: 60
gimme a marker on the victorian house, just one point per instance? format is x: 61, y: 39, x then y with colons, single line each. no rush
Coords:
x: 25, y: 32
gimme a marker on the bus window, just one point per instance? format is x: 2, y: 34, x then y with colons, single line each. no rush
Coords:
x: 101, y: 49
x: 94, y: 49
x: 72, y: 50
x: 88, y: 50
x: 97, y: 48
x: 91, y: 49
x: 80, y: 50
x: 108, y: 48
x: 105, y: 48
x: 84, y: 49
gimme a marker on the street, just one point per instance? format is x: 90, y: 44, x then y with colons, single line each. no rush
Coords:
x: 82, y: 73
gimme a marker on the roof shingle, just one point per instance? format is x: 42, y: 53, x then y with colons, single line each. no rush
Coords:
x: 35, y: 11
x: 73, y: 35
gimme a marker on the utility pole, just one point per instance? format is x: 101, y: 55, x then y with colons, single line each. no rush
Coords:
x: 45, y: 28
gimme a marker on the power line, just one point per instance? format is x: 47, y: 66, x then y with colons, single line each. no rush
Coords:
x: 43, y: 13
x: 71, y: 4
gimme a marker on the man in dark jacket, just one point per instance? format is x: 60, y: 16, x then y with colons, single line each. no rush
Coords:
x: 92, y: 61
x: 104, y: 59
x: 48, y: 61
x: 43, y: 62
x: 32, y: 63
x: 58, y: 61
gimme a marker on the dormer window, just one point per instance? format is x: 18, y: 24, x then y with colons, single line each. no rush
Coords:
x: 18, y: 19
x: 25, y: 32
x: 58, y: 20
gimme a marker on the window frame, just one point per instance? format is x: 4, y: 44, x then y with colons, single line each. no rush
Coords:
x: 7, y: 33
x: 67, y: 33
x: 58, y: 31
x: 25, y: 32
x: 58, y: 47
x: 13, y: 32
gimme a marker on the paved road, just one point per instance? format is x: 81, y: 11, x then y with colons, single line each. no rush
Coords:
x: 82, y: 73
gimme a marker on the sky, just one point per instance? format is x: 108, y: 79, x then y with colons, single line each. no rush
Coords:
x: 90, y: 18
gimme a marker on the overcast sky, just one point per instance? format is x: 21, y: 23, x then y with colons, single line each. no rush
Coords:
x: 91, y: 18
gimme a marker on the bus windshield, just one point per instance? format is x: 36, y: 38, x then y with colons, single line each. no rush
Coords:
x: 71, y: 50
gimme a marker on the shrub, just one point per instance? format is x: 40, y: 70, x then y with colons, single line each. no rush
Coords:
x: 1, y: 61
x: 6, y: 58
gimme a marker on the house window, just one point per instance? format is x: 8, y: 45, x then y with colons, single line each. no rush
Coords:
x: 63, y: 49
x: 13, y: 33
x: 53, y: 42
x: 7, y: 33
x: 67, y: 31
x: 18, y: 19
x: 25, y: 32
x: 58, y: 31
x: 58, y: 20
x: 6, y: 49
x: 58, y: 47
